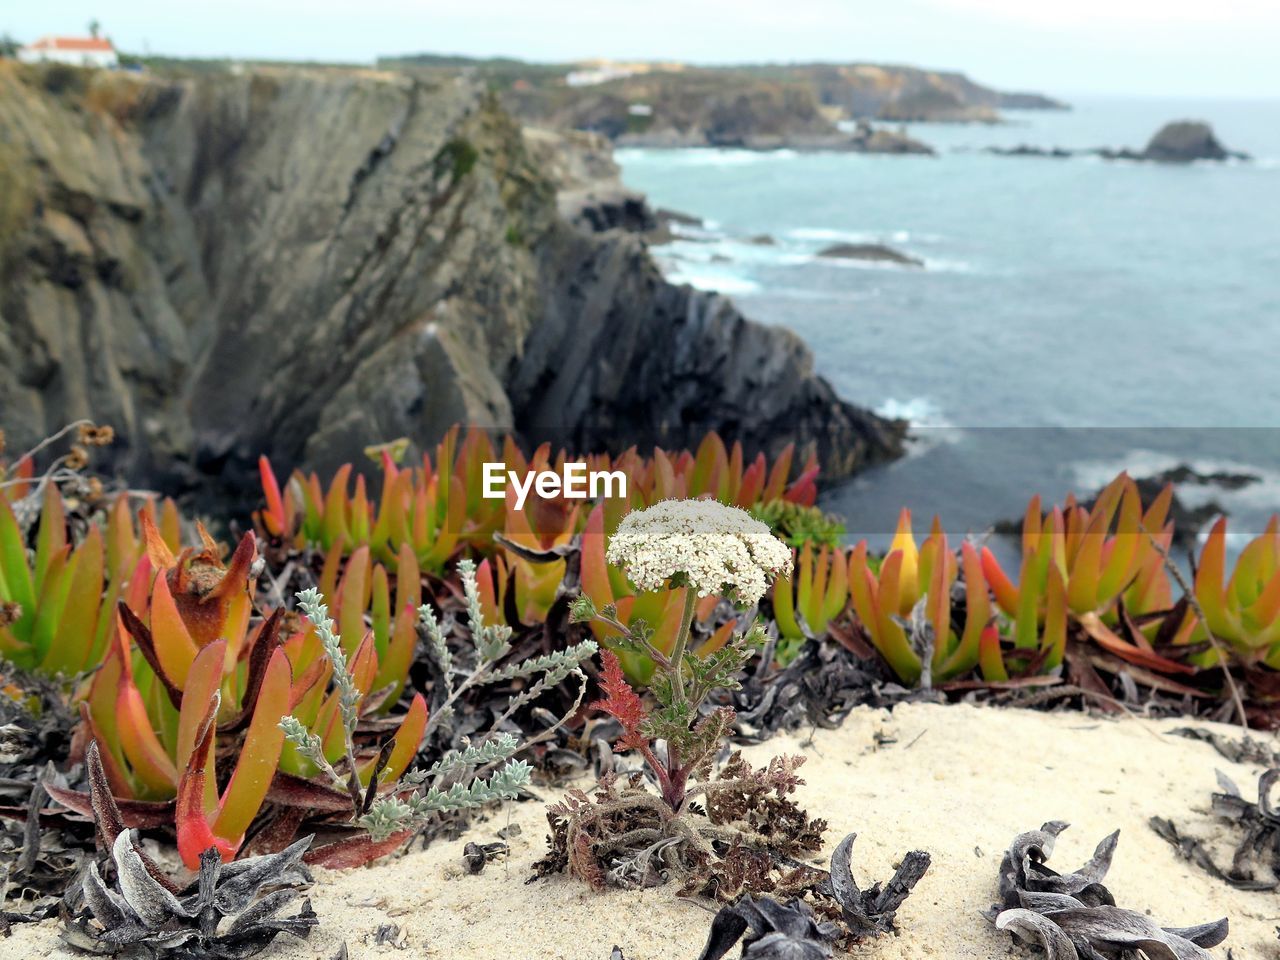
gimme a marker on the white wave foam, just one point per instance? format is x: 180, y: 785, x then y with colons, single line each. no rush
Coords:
x: 918, y: 411
x: 1262, y: 496
x: 828, y: 235
x: 832, y: 235
x: 715, y: 282
x: 700, y: 156
x: 928, y: 427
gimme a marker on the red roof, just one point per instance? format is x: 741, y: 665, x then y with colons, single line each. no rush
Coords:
x: 78, y: 44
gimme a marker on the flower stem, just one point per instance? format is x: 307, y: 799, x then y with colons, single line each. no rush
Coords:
x: 682, y: 641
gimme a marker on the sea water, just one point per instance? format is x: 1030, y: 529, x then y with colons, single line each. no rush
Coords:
x: 1074, y: 317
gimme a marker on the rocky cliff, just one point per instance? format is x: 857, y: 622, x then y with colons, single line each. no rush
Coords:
x: 300, y: 263
x: 795, y: 100
x: 700, y: 108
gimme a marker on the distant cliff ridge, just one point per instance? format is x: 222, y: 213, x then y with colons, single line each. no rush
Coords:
x: 300, y: 263
x: 697, y: 106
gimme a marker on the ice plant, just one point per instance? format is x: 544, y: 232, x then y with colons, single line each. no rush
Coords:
x: 1103, y: 554
x: 385, y: 801
x: 57, y: 602
x: 1081, y: 564
x: 799, y: 525
x: 818, y: 595
x: 1243, y: 611
x: 434, y: 509
x: 914, y: 582
x: 438, y: 508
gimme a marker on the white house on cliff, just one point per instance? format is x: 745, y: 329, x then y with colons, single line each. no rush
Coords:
x: 76, y: 51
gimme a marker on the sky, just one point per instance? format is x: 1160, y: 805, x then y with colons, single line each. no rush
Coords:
x: 1175, y: 48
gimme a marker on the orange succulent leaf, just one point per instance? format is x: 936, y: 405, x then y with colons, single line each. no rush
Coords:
x: 595, y: 568
x: 117, y: 778
x: 52, y: 602
x: 202, y: 688
x: 784, y: 609
x: 393, y: 666
x: 408, y: 738
x: 101, y: 698
x: 907, y: 579
x: 76, y: 630
x: 775, y: 488
x: 158, y: 551
x: 260, y: 754
x: 977, y: 616
x: 1055, y: 620
x: 718, y: 640
x: 1032, y: 527
x: 175, y: 648
x: 809, y: 582
x: 235, y: 580
x: 353, y: 598
x: 1106, y: 638
x: 891, y: 590
x: 752, y: 485
x: 837, y: 586
x: 329, y: 570
x: 334, y: 524
x: 990, y: 658
x: 863, y: 588
x: 1209, y: 577
x: 147, y: 756
x: 1027, y: 618
x: 1002, y: 587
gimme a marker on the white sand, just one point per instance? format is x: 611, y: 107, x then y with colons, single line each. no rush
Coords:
x: 959, y: 782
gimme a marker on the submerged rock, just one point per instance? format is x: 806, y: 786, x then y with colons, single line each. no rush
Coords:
x: 875, y: 252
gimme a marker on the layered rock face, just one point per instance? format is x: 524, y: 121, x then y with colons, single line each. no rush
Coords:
x: 303, y: 263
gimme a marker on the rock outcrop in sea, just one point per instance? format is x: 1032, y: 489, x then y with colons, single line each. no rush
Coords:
x: 301, y: 262
x: 872, y: 252
x: 1181, y: 141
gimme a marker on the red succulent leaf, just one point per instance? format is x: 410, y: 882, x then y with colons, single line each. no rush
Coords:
x: 288, y: 790
x: 356, y: 851
x: 273, y: 517
x: 195, y: 836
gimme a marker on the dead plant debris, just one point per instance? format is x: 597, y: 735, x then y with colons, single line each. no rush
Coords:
x: 232, y: 914
x: 1255, y: 864
x: 1073, y: 916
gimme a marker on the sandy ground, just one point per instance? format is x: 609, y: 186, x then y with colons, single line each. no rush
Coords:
x: 958, y: 781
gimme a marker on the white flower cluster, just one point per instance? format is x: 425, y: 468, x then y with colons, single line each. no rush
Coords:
x: 718, y: 549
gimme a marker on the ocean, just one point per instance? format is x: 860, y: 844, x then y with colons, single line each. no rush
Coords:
x: 1075, y: 317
